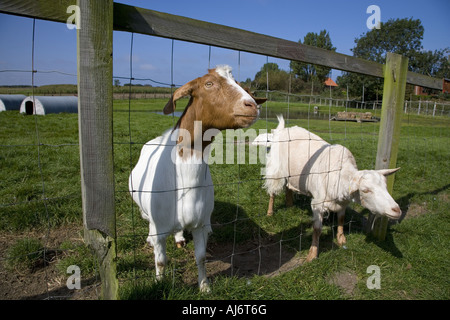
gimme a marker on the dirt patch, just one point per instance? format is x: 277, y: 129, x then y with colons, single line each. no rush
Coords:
x: 251, y: 258
x: 415, y: 210
x: 345, y: 280
x: 44, y: 280
x: 45, y: 283
x: 418, y: 209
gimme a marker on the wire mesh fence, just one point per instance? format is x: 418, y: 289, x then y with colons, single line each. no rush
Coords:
x: 42, y: 200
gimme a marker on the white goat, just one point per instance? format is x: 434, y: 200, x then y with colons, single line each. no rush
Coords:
x: 304, y: 163
x: 171, y: 182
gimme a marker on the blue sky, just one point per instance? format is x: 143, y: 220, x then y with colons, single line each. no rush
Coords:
x: 55, y: 44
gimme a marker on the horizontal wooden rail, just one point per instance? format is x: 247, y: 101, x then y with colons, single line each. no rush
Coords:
x: 149, y: 22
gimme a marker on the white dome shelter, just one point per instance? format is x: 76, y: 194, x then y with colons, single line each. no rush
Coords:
x: 43, y: 105
x: 11, y: 101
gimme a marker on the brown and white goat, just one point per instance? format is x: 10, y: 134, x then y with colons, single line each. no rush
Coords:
x: 171, y: 182
x: 302, y: 162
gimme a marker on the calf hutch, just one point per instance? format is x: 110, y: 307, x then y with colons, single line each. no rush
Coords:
x: 45, y: 105
x: 11, y: 101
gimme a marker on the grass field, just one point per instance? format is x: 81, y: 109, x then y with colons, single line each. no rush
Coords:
x: 40, y: 199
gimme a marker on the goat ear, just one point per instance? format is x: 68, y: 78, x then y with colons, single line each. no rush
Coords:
x: 354, y: 184
x: 260, y: 100
x: 257, y: 100
x: 181, y: 92
x: 387, y: 172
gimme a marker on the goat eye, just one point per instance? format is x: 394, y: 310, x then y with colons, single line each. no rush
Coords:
x: 209, y: 84
x: 366, y: 190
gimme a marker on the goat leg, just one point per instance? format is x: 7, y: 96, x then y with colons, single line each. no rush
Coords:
x: 180, y: 240
x: 159, y: 245
x: 341, y: 240
x: 200, y: 236
x: 289, y: 198
x: 317, y: 227
x: 270, y: 209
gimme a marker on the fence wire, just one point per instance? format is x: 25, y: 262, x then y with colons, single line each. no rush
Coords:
x: 235, y: 246
x: 229, y: 254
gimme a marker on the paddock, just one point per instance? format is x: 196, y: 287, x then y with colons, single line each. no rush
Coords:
x: 248, y: 250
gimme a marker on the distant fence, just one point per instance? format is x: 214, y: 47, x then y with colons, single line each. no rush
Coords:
x: 425, y: 107
x: 428, y: 108
x: 419, y: 107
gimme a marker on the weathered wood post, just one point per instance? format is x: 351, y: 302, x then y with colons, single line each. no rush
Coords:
x: 395, y: 72
x: 95, y: 104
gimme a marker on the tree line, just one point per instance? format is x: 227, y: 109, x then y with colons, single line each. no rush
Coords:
x: 402, y: 36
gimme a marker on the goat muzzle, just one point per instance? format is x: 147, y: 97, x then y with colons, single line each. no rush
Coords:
x: 395, y: 213
x: 251, y: 104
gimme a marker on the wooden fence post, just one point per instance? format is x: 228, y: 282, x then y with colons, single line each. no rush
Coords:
x: 95, y: 106
x: 395, y: 72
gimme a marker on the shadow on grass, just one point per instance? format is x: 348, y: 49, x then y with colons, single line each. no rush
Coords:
x: 240, y: 247
x: 404, y: 202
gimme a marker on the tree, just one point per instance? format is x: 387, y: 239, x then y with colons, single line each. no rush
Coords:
x: 278, y: 79
x: 402, y: 36
x: 247, y: 83
x: 435, y: 64
x: 308, y: 72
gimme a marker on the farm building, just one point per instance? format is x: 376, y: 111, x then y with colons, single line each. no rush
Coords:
x: 446, y: 85
x: 420, y: 91
x: 11, y: 101
x: 43, y: 105
x: 330, y: 83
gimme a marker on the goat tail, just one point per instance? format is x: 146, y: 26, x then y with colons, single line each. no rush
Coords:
x: 280, y: 122
x: 274, y: 186
x: 276, y: 170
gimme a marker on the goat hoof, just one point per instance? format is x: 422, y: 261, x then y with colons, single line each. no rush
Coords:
x: 269, y: 213
x: 312, y: 255
x: 205, y: 288
x: 181, y: 244
x: 309, y: 259
x: 159, y: 278
x: 341, y: 240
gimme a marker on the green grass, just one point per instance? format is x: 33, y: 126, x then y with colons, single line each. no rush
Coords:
x: 40, y: 187
x: 24, y: 254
